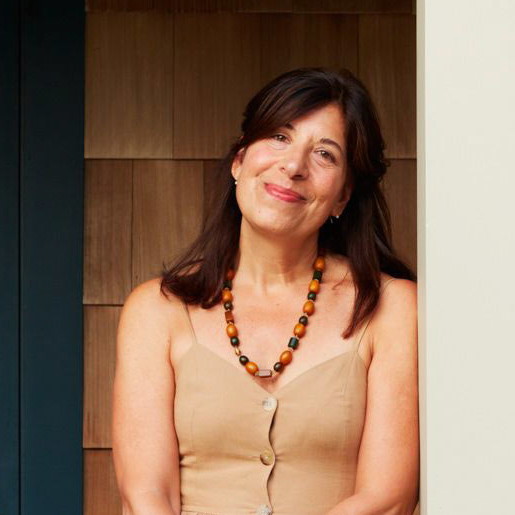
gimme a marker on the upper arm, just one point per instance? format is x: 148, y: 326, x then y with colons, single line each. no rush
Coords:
x: 388, y: 466
x: 145, y: 450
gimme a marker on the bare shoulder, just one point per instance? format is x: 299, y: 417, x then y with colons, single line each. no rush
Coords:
x: 149, y: 297
x: 395, y: 320
x: 147, y: 308
x: 395, y: 291
x: 149, y: 294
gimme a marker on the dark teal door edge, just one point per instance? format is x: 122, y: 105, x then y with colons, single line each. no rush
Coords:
x: 41, y: 332
x: 9, y: 260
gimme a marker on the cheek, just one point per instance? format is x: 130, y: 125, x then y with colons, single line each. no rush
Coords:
x: 258, y: 157
x: 328, y: 187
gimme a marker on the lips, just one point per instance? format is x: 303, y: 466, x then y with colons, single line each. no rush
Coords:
x: 283, y: 193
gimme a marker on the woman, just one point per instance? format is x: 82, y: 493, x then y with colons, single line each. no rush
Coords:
x: 234, y: 393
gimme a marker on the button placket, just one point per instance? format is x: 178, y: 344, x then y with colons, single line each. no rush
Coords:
x: 267, y: 455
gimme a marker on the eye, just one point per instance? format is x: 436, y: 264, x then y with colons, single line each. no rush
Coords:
x: 328, y: 155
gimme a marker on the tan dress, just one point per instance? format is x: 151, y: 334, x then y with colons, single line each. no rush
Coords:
x: 246, y: 451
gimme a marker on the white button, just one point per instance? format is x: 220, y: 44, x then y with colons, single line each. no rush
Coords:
x: 264, y: 510
x: 269, y: 403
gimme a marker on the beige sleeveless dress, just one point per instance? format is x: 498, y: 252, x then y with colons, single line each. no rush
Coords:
x: 243, y: 450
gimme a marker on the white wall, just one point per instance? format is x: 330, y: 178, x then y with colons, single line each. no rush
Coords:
x: 466, y: 227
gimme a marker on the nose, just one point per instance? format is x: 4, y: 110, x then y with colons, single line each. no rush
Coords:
x: 295, y: 164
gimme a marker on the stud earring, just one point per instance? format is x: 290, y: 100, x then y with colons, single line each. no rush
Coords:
x: 235, y: 181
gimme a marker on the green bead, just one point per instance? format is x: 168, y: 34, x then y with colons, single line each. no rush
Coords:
x: 244, y: 360
x: 228, y: 305
x: 278, y: 366
x: 228, y: 284
x: 317, y: 274
x: 312, y: 295
x: 293, y: 343
x: 303, y: 320
x: 235, y: 341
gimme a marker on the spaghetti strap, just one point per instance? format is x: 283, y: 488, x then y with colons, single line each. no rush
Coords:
x: 190, y: 324
x: 381, y: 290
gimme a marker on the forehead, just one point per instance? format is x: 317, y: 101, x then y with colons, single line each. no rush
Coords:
x: 324, y: 125
x: 326, y: 121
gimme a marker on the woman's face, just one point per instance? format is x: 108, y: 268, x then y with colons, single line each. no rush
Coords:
x: 290, y: 182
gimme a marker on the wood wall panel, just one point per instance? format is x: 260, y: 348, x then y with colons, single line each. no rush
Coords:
x: 213, y: 185
x: 214, y: 6
x: 100, y: 325
x: 189, y: 6
x: 352, y: 6
x: 123, y: 5
x: 217, y: 63
x: 101, y: 495
x: 202, y: 6
x: 129, y: 86
x: 400, y: 187
x: 387, y: 66
x: 168, y: 201
x: 295, y: 40
x: 107, y: 231
x: 265, y: 6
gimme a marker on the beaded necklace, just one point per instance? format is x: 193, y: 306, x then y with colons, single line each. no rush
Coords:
x: 299, y: 330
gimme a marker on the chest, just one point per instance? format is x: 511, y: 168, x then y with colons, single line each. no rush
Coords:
x: 265, y: 326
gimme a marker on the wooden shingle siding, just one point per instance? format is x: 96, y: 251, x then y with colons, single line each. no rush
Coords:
x: 107, y: 231
x: 129, y: 85
x: 100, y: 324
x: 168, y: 201
x: 387, y: 66
x: 400, y: 187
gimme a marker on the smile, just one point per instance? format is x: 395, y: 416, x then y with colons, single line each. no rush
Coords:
x: 282, y: 194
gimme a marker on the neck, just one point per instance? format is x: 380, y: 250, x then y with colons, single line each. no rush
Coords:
x: 271, y: 265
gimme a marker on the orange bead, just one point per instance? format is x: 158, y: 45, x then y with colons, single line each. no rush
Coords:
x: 299, y: 330
x: 231, y: 330
x: 251, y: 367
x: 226, y: 295
x: 309, y: 307
x: 314, y: 286
x: 230, y: 274
x: 319, y: 263
x: 229, y: 317
x: 286, y: 357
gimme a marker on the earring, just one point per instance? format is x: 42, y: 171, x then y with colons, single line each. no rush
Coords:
x: 235, y: 181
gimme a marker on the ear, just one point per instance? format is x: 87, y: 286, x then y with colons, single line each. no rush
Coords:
x: 237, y: 163
x: 344, y: 199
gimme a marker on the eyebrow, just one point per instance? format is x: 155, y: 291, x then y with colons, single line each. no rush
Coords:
x: 327, y: 141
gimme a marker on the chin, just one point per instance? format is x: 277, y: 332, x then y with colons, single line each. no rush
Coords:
x: 272, y: 226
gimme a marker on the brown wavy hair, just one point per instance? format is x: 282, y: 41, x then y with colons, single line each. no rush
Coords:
x: 363, y: 231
